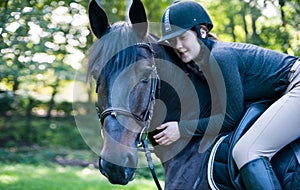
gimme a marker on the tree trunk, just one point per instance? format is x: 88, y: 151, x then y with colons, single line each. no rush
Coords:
x: 282, y: 3
x: 243, y: 13
x: 52, y: 102
x: 28, y: 136
x: 232, y: 25
x: 255, y: 37
x: 285, y: 42
x: 255, y: 14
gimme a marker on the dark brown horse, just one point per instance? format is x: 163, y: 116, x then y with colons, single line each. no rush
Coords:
x: 141, y: 84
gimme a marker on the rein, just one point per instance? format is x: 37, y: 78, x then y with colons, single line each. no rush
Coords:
x: 146, y: 119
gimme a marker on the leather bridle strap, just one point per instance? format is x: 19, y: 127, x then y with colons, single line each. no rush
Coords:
x: 116, y: 111
x: 150, y: 163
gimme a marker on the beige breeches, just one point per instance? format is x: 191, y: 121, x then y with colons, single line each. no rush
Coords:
x: 276, y: 127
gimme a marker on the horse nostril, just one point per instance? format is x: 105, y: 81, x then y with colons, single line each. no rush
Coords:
x: 116, y: 174
x: 101, y: 167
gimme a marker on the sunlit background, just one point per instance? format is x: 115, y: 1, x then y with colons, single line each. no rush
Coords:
x: 43, y: 43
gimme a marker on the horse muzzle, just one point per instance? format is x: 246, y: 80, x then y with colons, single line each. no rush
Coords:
x: 116, y: 174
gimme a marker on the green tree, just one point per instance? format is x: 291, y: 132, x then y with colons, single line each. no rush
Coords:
x: 42, y: 44
x: 268, y: 23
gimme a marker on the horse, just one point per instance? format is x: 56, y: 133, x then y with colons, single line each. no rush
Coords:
x: 137, y: 91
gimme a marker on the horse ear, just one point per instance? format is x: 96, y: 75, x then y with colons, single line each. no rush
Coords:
x: 98, y: 19
x: 138, y: 18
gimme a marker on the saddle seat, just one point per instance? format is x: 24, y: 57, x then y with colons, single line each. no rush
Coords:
x: 222, y: 167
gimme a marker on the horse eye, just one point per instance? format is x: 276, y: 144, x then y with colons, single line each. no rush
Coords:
x: 145, y: 80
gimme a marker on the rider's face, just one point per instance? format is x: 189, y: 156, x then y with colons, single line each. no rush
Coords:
x: 187, y: 46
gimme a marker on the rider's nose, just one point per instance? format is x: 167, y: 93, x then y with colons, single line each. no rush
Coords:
x: 178, y: 44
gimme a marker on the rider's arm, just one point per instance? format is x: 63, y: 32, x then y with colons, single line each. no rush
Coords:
x: 221, y: 121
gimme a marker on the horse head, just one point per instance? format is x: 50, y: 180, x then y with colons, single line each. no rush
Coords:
x: 129, y: 66
x: 122, y: 63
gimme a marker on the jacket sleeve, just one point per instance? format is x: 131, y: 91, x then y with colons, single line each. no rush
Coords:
x: 228, y: 111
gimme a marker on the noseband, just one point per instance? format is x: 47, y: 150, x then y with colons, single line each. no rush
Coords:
x: 146, y: 118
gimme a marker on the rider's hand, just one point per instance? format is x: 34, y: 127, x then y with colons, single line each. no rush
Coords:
x: 169, y: 134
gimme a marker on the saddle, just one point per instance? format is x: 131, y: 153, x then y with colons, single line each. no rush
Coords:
x: 222, y: 171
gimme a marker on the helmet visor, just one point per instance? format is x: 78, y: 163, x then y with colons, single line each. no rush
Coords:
x: 175, y: 32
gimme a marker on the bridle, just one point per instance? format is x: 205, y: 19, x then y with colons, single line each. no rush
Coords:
x: 146, y: 118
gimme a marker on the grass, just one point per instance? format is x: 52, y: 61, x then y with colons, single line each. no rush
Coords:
x: 41, y: 177
x: 30, y: 165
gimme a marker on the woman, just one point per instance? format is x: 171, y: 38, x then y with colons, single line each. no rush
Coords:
x: 253, y: 73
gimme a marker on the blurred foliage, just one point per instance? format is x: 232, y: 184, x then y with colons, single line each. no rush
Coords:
x: 267, y: 23
x: 55, y: 132
x: 43, y: 44
x: 43, y: 155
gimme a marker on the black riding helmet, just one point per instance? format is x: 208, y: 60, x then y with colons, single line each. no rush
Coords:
x: 182, y: 16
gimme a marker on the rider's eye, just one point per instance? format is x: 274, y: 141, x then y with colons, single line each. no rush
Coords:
x: 172, y: 42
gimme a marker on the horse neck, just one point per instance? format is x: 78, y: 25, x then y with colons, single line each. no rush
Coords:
x: 167, y: 106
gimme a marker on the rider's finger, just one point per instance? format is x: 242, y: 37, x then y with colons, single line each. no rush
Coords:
x: 162, y: 126
x: 161, y: 140
x: 159, y: 135
x: 164, y: 142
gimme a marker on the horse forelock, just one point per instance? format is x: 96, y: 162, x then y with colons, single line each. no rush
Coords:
x: 120, y: 36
